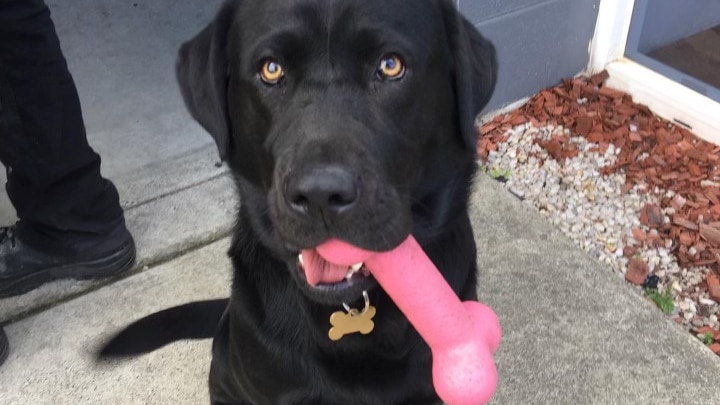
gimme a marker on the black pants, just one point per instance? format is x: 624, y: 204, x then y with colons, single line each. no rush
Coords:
x: 54, y: 179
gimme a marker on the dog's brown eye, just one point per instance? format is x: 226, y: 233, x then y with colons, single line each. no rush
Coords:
x: 391, y: 68
x: 271, y: 72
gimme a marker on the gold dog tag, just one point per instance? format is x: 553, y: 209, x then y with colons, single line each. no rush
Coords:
x: 352, y: 320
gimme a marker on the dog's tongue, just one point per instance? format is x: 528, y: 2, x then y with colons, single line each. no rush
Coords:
x: 320, y: 271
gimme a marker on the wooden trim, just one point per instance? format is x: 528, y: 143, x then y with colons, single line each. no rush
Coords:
x: 611, y: 32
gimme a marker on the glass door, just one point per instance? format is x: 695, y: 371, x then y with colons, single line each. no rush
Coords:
x: 680, y: 40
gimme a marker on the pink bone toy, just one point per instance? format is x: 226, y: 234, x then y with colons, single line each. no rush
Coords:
x: 462, y: 336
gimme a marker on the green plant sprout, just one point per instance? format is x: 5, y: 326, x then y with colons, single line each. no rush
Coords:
x: 663, y: 300
x: 497, y: 173
x: 707, y: 338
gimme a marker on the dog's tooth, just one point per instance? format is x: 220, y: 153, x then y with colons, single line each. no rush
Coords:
x: 300, y: 259
x: 352, y: 270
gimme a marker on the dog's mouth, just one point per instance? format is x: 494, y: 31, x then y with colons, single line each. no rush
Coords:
x: 332, y: 283
x: 320, y: 272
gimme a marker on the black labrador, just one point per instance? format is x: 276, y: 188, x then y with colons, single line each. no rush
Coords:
x: 347, y: 119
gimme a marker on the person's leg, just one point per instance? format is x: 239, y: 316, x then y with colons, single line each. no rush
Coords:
x: 66, y: 209
x: 4, y: 346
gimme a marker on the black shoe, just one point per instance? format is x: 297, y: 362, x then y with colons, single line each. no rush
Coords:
x: 4, y: 346
x: 24, y: 268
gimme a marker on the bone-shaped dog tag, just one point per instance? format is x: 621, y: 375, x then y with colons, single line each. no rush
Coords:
x: 353, y: 321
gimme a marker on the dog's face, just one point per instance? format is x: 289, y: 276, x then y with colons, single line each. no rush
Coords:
x: 341, y: 119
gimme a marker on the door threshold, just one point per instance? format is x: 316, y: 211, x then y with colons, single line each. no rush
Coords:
x: 667, y: 98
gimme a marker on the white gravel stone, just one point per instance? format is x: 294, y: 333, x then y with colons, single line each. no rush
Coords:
x: 591, y: 209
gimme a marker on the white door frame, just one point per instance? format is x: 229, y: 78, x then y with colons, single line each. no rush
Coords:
x: 665, y: 97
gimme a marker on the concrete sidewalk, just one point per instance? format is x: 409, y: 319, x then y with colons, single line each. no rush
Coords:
x: 574, y: 333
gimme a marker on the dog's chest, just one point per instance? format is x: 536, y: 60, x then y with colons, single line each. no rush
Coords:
x: 250, y: 368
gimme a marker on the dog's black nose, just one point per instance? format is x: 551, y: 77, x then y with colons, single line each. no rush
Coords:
x: 330, y: 190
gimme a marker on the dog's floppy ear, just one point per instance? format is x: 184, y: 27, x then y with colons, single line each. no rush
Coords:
x: 475, y: 69
x: 202, y: 72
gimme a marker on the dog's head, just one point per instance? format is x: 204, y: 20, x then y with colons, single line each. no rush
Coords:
x: 341, y: 119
